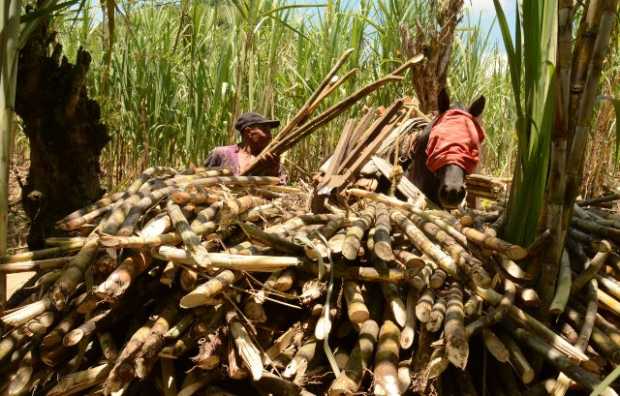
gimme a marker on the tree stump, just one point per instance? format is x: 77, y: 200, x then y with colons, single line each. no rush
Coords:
x: 65, y: 133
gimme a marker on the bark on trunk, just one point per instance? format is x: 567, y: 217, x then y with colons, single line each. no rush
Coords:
x: 64, y: 130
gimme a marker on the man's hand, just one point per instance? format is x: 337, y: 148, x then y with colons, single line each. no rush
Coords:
x: 271, y: 164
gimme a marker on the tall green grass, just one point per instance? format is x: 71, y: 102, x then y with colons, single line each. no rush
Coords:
x: 179, y: 74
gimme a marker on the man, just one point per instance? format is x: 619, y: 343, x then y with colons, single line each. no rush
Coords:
x: 255, y: 133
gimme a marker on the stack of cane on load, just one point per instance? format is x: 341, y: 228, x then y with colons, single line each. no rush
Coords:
x: 202, y: 283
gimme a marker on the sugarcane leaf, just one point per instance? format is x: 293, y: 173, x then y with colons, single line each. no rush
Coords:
x: 600, y: 388
x: 292, y: 6
x: 46, y: 11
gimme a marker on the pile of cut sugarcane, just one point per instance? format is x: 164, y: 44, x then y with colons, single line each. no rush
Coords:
x: 203, y: 283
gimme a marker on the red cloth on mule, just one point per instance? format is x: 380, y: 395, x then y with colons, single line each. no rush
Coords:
x: 455, y: 139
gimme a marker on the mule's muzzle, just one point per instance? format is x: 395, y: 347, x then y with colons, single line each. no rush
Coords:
x: 450, y: 197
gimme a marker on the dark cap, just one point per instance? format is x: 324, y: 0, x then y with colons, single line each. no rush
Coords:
x: 254, y: 120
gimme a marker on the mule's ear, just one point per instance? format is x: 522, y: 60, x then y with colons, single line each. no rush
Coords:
x: 443, y: 101
x: 477, y: 107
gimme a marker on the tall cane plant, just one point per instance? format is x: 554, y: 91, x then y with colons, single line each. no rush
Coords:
x: 558, y: 73
x: 9, y: 25
x: 532, y: 61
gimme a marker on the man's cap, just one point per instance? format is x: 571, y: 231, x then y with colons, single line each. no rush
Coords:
x: 252, y: 119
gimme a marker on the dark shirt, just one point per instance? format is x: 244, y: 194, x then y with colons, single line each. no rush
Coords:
x: 228, y: 157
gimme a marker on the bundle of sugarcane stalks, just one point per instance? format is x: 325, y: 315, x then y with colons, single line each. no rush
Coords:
x: 198, y: 282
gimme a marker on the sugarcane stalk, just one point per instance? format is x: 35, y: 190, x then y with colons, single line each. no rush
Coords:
x: 597, y: 229
x: 422, y: 278
x: 43, y: 253
x: 169, y: 274
x: 123, y: 370
x: 407, y: 335
x: 513, y: 252
x: 457, y: 346
x: 138, y: 241
x: 495, y: 345
x: 533, y: 325
x: 383, y: 229
x: 592, y: 268
x: 87, y: 328
x: 438, y: 363
x: 58, y: 355
x: 514, y: 270
x: 277, y: 243
x: 417, y: 237
x: 230, y: 261
x: 19, y: 381
x: 197, y: 197
x: 553, y: 356
x: 54, y: 337
x: 27, y: 312
x: 35, y: 265
x: 153, y: 343
x: 517, y: 359
x: 356, y: 307
x: 412, y: 262
x: 201, y: 329
x: 472, y: 306
x: 437, y: 278
x: 386, y: 360
x: 608, y: 328
x: 299, y: 364
x: 608, y: 301
x: 122, y: 277
x: 391, y: 293
x: 38, y: 326
x: 353, y: 239
x: 530, y: 297
x: 424, y: 306
x: 73, y: 273
x: 349, y: 380
x: 181, y: 326
x: 77, y: 382
x: 592, y: 333
x: 611, y: 285
x: 468, y: 264
x: 190, y: 239
x: 188, y: 279
x: 437, y: 315
x: 248, y: 352
x: 203, y: 293
x: 495, y: 314
x: 233, y: 208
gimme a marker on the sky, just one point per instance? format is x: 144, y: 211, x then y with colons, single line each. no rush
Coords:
x: 486, y: 11
x: 482, y: 9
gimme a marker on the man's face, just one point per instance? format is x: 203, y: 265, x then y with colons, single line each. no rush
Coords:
x: 257, y: 137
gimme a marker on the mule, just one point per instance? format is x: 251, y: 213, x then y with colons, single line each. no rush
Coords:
x: 446, y: 185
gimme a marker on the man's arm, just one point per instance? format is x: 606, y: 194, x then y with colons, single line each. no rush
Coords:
x: 213, y: 160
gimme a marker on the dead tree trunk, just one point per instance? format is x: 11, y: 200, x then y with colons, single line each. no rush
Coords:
x: 434, y: 40
x: 65, y: 133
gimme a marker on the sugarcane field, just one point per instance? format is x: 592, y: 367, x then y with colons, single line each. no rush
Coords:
x: 318, y: 197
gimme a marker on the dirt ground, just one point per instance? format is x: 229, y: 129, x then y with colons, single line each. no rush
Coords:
x: 18, y: 221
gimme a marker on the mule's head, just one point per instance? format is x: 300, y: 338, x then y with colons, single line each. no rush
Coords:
x: 456, y: 150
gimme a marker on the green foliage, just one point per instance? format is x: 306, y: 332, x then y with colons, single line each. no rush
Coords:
x: 180, y: 73
x: 478, y: 68
x: 532, y: 64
